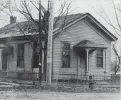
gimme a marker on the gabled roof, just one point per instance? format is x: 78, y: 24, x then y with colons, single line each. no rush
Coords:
x: 87, y: 17
x: 63, y: 21
x: 89, y: 44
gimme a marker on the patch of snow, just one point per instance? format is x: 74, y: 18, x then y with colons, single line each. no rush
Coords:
x: 8, y: 84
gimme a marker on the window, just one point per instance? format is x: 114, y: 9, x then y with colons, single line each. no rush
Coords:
x: 36, y: 60
x: 20, y: 56
x: 66, y: 55
x: 100, y: 58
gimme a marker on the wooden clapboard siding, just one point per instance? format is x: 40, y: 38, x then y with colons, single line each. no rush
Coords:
x: 80, y: 31
x: 93, y: 63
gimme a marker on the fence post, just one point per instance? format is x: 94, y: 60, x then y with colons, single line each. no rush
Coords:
x: 93, y: 77
x: 77, y: 78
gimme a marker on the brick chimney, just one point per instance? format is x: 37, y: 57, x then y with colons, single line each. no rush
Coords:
x: 12, y: 19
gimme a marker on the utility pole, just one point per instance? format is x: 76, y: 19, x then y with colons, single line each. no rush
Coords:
x: 49, y: 45
x: 40, y: 44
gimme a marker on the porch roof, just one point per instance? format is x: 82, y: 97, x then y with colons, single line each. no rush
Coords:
x: 89, y: 44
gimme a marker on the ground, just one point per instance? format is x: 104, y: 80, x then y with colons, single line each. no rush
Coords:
x: 37, y: 95
x: 15, y: 91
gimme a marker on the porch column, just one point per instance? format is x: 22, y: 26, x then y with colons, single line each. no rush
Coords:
x: 87, y: 60
x: 1, y: 59
x: 43, y: 70
x: 105, y: 61
x: 77, y: 67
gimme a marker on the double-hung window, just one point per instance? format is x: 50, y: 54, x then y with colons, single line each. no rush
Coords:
x: 65, y: 55
x: 20, y: 56
x: 100, y: 58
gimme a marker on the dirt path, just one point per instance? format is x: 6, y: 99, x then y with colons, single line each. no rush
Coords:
x: 19, y: 95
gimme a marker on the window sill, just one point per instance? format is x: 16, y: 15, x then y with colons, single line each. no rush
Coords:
x: 100, y: 67
x: 65, y: 67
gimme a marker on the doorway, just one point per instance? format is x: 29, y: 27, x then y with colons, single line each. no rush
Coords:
x: 82, y: 57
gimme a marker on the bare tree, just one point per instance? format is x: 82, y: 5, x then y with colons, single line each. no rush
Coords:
x: 117, y: 29
x: 40, y: 25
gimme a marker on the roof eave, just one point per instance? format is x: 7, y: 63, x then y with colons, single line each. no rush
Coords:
x: 113, y: 38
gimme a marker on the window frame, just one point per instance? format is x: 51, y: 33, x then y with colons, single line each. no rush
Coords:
x: 67, y: 56
x: 20, y: 57
x: 101, y: 57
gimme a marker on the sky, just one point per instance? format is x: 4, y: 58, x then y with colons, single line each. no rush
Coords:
x: 94, y: 7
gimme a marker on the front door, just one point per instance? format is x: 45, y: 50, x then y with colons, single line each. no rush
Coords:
x: 82, y: 62
x: 4, y: 62
x: 82, y: 56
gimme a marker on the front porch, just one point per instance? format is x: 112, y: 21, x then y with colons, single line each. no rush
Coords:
x: 90, y: 54
x: 14, y: 66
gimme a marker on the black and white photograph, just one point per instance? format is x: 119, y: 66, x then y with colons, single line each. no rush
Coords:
x: 60, y: 49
